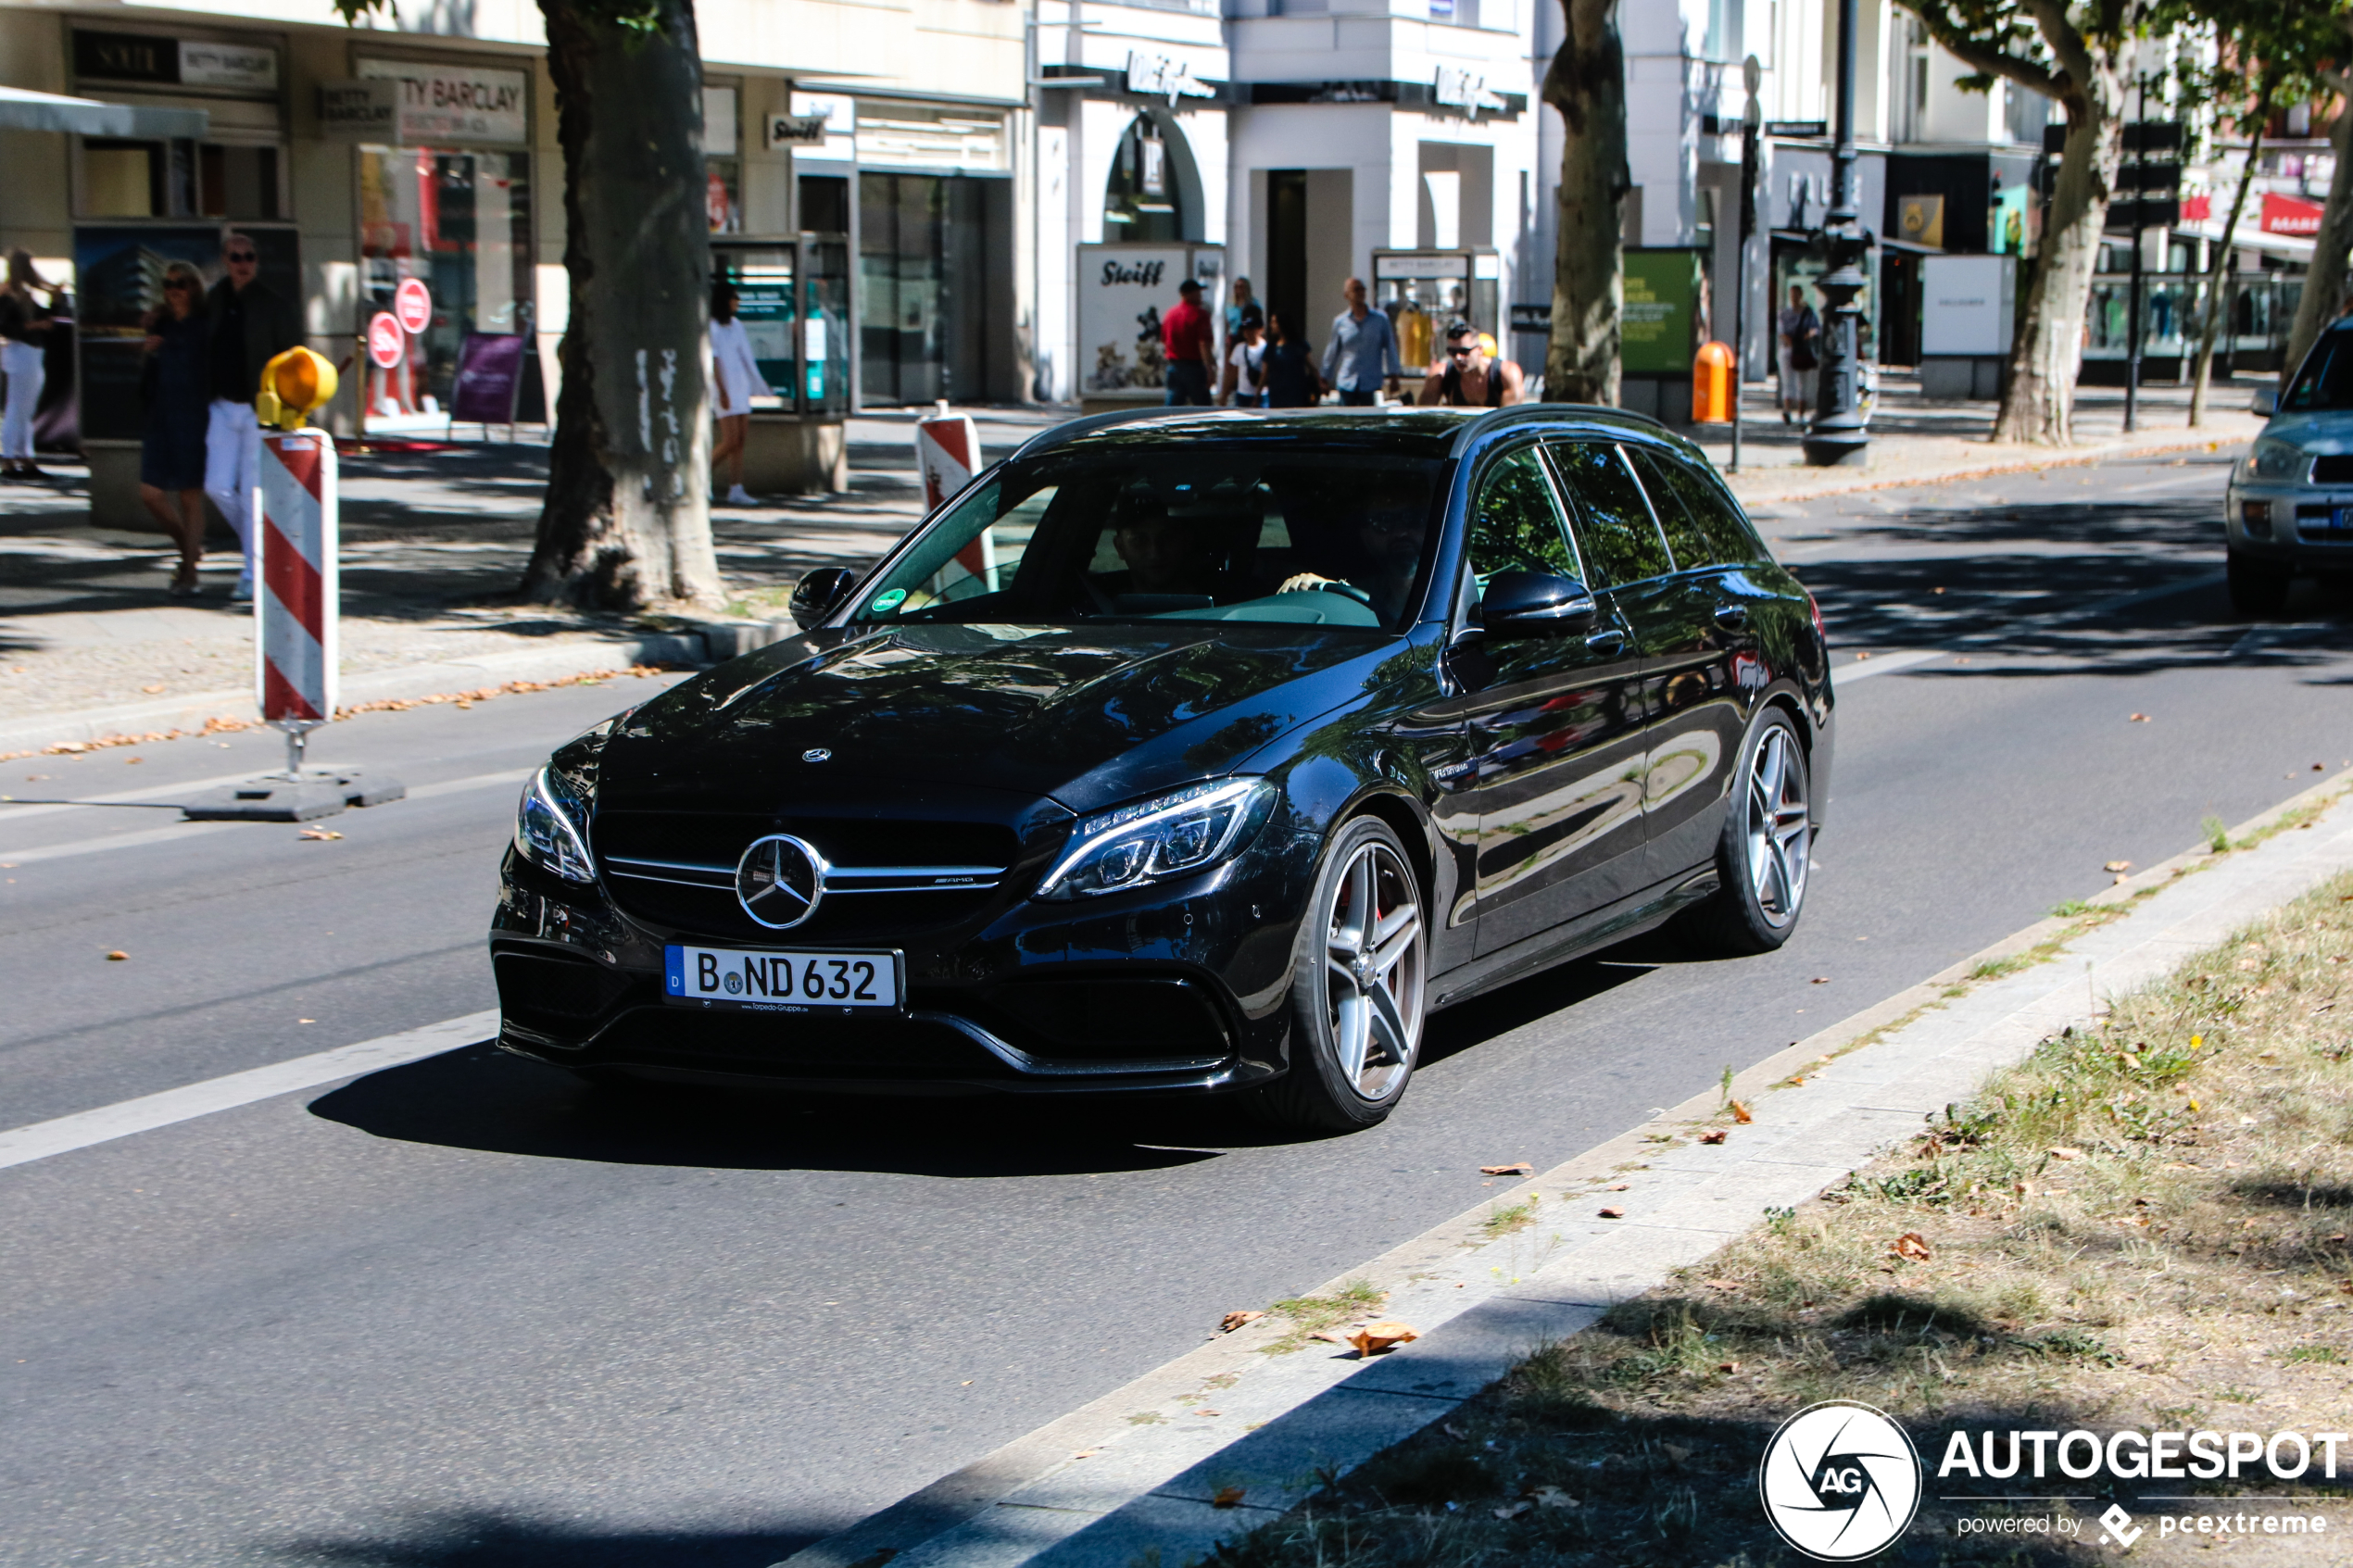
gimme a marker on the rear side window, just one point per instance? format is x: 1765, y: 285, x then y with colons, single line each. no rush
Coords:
x: 1702, y: 527
x: 1514, y: 525
x: 1620, y: 543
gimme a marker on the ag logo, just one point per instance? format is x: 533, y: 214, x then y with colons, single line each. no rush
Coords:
x: 1840, y: 1481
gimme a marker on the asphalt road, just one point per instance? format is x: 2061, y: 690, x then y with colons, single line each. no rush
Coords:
x: 466, y: 1313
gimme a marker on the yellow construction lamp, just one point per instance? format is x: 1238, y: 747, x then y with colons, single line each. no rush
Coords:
x: 293, y: 385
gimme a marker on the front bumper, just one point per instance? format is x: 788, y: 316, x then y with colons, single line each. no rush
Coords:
x: 2289, y: 523
x: 1182, y: 986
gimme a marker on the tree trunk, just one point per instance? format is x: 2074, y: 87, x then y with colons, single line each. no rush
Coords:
x: 1587, y: 84
x: 2324, y: 282
x: 626, y: 522
x: 2217, y: 274
x: 2038, y: 404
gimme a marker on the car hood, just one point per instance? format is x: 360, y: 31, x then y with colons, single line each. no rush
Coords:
x: 2324, y: 434
x: 1085, y: 715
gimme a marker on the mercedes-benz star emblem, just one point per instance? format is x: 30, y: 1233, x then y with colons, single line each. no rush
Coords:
x: 817, y: 754
x: 780, y: 881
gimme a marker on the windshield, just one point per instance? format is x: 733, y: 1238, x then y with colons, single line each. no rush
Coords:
x: 2326, y: 381
x: 1192, y: 532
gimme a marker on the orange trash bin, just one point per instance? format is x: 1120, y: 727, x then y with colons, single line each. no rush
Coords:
x: 1712, y: 385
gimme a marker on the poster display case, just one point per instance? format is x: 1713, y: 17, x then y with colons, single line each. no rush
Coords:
x: 793, y: 298
x: 1421, y: 291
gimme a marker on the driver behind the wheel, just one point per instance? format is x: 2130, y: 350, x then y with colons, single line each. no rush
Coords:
x: 1391, y: 533
x: 1162, y: 554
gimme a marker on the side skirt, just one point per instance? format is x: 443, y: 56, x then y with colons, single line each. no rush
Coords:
x: 1631, y: 916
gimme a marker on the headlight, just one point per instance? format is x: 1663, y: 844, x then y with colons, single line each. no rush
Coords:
x: 548, y: 828
x: 2274, y: 459
x: 1185, y: 831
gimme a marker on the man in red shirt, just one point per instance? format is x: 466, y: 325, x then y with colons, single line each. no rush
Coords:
x: 1188, y: 345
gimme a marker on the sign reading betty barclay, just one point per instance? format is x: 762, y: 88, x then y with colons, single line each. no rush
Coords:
x: 440, y: 105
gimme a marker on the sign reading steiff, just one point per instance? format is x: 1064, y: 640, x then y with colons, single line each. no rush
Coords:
x: 1122, y: 293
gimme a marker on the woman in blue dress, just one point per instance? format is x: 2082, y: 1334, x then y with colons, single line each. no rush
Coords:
x: 174, y: 385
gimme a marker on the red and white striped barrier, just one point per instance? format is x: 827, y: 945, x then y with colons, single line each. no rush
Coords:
x: 294, y: 640
x: 948, y: 455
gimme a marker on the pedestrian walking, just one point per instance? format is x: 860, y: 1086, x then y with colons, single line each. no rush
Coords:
x: 25, y: 305
x: 736, y: 381
x: 246, y: 326
x: 173, y: 385
x: 1469, y: 379
x: 1245, y: 383
x: 1801, y: 354
x: 1188, y: 345
x: 1360, y: 358
x: 1243, y: 303
x: 1292, y: 380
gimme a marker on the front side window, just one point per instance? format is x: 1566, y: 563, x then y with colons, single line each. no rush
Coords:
x: 2326, y: 380
x: 1514, y: 523
x: 1702, y: 528
x: 1620, y: 543
x: 1196, y: 532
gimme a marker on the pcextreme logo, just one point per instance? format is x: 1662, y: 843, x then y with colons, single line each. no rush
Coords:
x: 1840, y: 1481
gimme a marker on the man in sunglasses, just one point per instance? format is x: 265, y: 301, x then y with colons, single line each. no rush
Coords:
x: 250, y: 326
x: 1469, y: 379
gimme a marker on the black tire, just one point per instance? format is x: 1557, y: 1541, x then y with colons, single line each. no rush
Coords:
x: 2258, y: 586
x: 1381, y: 990
x: 1761, y: 894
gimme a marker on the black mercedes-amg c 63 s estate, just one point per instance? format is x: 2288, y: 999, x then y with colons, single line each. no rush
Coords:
x: 1204, y: 751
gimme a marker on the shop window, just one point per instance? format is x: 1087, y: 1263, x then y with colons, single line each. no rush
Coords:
x: 123, y: 178
x: 1142, y: 202
x: 460, y: 220
x: 824, y: 204
x: 723, y: 194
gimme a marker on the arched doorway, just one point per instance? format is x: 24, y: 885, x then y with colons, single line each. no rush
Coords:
x: 1154, y: 194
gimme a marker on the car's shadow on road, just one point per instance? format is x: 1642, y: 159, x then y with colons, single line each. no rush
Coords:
x: 496, y: 1539
x: 480, y: 1098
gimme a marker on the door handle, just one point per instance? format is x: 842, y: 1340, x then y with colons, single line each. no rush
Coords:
x: 1609, y: 639
x: 1732, y: 617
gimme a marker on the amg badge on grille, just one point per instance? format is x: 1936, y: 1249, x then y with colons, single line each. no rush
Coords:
x: 818, y: 754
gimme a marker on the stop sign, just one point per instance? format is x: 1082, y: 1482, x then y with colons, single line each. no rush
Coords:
x: 413, y: 302
x: 385, y: 345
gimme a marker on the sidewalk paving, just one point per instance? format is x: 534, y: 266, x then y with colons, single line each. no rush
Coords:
x: 1229, y: 1438
x: 433, y: 542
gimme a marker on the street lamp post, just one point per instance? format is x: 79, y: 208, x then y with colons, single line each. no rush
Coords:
x: 1837, y: 436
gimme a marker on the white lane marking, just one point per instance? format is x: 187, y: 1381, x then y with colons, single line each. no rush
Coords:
x: 175, y: 831
x: 20, y: 1146
x: 1882, y: 664
x: 1889, y: 663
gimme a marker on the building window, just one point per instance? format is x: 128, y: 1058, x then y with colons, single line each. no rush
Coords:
x: 1141, y: 204
x: 460, y: 220
x: 123, y: 178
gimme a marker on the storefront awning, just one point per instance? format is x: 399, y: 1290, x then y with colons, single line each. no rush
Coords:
x: 2287, y: 247
x: 21, y: 110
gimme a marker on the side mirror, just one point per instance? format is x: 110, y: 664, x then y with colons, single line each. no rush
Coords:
x: 1535, y: 604
x: 2266, y: 401
x: 820, y: 592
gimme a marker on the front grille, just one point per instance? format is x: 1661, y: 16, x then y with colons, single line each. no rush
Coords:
x: 892, y: 879
x: 2333, y: 468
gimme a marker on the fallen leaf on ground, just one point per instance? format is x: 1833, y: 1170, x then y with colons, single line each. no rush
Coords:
x: 152, y: 690
x: 1453, y: 1431
x: 2139, y: 718
x: 1722, y: 1285
x: 320, y: 835
x: 1331, y: 1335
x: 1912, y: 1245
x: 1741, y: 1113
x: 1613, y: 1214
x: 1713, y: 1135
x: 1233, y: 1321
x: 1375, y: 1337
x: 1821, y: 980
x: 1227, y: 1496
x: 133, y: 761
x: 116, y: 956
x: 1513, y: 1510
x: 1728, y: 1366
x: 1209, y: 1413
x: 1517, y: 1168
x: 1553, y: 1497
x: 2062, y: 1152
x: 1676, y: 1452
x: 2118, y: 866
x: 1621, y: 1186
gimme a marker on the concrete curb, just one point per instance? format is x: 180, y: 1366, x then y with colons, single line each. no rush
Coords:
x: 1145, y: 1465
x: 553, y: 660
x: 1755, y: 487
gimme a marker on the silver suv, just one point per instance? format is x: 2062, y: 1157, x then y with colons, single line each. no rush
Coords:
x: 2291, y: 497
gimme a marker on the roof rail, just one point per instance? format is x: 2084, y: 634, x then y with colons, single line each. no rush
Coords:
x: 1069, y: 430
x: 1494, y: 419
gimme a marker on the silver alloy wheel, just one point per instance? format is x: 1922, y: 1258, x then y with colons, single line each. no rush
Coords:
x: 1780, y: 826
x: 1373, y: 971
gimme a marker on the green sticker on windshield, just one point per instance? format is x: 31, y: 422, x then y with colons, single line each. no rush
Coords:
x: 887, y: 601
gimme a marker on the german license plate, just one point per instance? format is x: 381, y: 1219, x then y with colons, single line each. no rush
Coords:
x: 803, y: 980
x: 2340, y: 519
